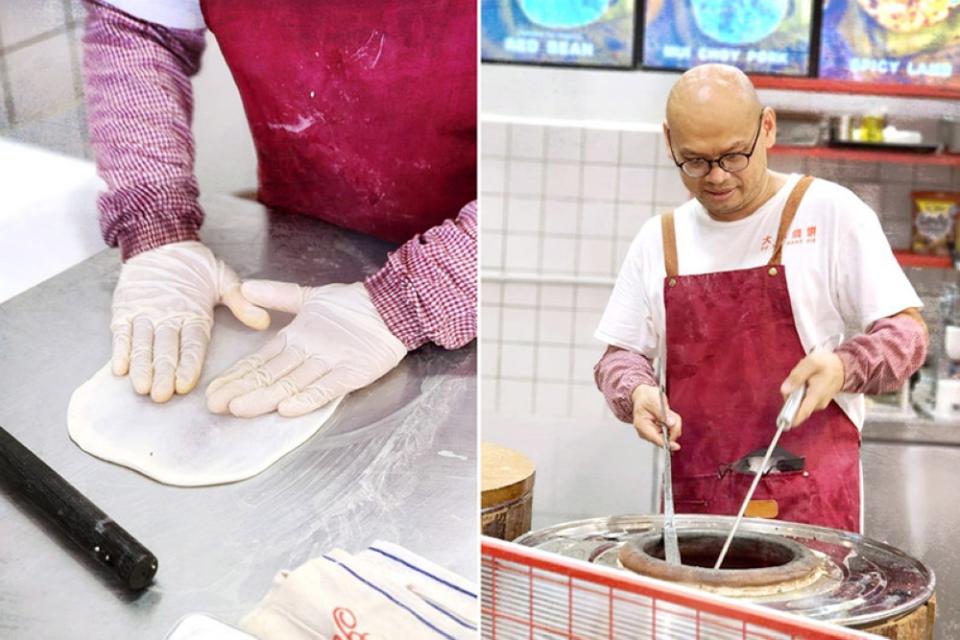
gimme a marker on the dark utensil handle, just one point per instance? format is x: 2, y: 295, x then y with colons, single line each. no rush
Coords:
x: 96, y: 533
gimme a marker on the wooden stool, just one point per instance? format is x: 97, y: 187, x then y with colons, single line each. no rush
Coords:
x: 506, y: 486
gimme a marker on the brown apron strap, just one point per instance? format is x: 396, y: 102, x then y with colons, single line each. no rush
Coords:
x: 669, y: 244
x: 786, y: 218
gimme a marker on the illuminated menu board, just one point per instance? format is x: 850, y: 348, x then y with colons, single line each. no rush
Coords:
x: 893, y: 41
x: 598, y: 33
x: 759, y: 36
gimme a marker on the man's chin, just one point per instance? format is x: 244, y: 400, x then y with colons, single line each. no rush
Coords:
x: 720, y: 207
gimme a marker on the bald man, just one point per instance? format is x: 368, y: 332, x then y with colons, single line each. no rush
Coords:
x: 746, y: 291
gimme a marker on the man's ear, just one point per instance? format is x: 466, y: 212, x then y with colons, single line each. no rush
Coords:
x: 770, y: 127
x: 666, y: 139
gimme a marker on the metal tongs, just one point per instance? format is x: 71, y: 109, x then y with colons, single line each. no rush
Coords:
x: 784, y: 419
x: 670, y: 546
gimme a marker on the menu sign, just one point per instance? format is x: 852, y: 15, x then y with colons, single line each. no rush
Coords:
x: 762, y: 36
x: 893, y: 41
x: 598, y: 33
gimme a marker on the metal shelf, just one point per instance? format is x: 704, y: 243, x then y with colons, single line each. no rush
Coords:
x: 852, y: 87
x: 908, y: 259
x: 868, y: 155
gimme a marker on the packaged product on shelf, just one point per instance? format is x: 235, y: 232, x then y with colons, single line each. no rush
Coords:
x: 934, y: 228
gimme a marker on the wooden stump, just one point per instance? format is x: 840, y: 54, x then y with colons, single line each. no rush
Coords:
x: 916, y: 625
x: 506, y: 485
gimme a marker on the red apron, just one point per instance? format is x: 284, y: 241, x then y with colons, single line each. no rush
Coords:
x: 363, y: 112
x: 731, y: 341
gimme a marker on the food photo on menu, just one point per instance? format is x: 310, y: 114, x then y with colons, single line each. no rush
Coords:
x: 590, y: 33
x: 767, y: 36
x: 891, y: 41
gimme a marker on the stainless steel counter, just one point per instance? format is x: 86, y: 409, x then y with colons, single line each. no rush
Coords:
x: 910, y: 473
x: 915, y: 431
x: 398, y: 465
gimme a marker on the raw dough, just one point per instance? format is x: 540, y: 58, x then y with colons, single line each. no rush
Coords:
x: 181, y: 443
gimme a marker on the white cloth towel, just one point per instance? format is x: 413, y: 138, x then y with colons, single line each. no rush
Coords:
x: 385, y: 591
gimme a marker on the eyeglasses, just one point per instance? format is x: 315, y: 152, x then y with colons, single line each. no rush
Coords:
x: 729, y: 162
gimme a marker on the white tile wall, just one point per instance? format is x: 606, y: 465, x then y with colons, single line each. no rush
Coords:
x: 41, y: 94
x: 40, y: 84
x: 4, y: 118
x: 527, y: 142
x: 560, y: 207
x: 41, y: 78
x: 22, y: 20
x: 561, y: 216
x: 561, y: 203
x: 526, y: 177
x: 562, y: 143
x: 563, y: 179
x: 640, y: 148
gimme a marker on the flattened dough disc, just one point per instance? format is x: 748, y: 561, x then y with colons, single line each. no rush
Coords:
x: 181, y: 443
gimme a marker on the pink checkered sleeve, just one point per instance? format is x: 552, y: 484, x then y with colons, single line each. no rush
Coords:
x: 617, y: 374
x: 427, y: 291
x: 884, y: 358
x: 139, y: 107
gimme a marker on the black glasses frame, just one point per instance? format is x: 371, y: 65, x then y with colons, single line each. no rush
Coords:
x: 721, y: 160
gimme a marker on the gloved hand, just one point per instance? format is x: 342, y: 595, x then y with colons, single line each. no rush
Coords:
x: 822, y: 372
x: 647, y: 416
x: 337, y: 343
x: 163, y: 314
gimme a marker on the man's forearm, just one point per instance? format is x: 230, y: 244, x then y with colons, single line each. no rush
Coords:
x: 617, y: 374
x: 139, y: 107
x: 883, y: 359
x: 427, y: 290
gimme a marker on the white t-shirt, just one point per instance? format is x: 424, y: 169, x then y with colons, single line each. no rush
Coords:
x: 841, y: 273
x: 176, y: 14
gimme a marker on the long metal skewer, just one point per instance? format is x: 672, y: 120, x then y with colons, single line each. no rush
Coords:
x: 784, y: 419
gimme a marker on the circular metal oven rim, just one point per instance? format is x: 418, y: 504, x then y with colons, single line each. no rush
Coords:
x: 593, y: 538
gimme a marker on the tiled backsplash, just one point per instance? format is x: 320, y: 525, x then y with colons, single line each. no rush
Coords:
x: 41, y: 88
x: 560, y: 208
x: 569, y: 200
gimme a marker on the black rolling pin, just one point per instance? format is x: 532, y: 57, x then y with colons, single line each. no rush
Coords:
x: 96, y: 533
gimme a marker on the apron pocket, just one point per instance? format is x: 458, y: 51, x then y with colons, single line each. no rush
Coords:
x: 693, y: 494
x: 789, y: 496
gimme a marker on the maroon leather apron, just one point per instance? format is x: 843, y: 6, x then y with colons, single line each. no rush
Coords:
x: 731, y: 341
x: 363, y: 112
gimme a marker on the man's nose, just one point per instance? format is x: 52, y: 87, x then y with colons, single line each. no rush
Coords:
x: 716, y: 175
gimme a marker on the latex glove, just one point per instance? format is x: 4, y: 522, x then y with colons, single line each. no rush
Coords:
x: 163, y: 315
x: 337, y: 343
x: 646, y: 417
x: 822, y: 372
